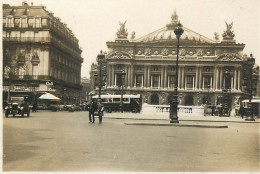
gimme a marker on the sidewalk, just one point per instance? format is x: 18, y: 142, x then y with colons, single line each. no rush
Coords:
x: 139, y: 116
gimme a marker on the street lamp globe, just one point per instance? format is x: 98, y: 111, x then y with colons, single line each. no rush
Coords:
x: 178, y: 30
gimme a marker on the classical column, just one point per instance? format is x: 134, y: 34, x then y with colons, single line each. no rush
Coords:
x: 200, y: 76
x: 221, y: 78
x: 239, y: 78
x: 149, y: 76
x: 108, y: 75
x: 217, y: 78
x: 162, y: 77
x: 131, y: 75
x: 126, y: 80
x: 182, y: 77
x: 235, y: 79
x: 165, y: 76
x: 197, y: 77
x: 145, y: 76
x: 113, y: 76
x: 179, y: 77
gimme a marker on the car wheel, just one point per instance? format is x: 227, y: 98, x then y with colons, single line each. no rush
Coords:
x: 13, y: 115
x: 6, y: 113
x: 28, y: 114
x: 134, y: 110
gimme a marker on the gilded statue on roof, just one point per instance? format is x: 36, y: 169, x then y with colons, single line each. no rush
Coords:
x: 122, y: 32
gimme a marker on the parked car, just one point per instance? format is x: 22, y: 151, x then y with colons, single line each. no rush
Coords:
x: 17, y: 109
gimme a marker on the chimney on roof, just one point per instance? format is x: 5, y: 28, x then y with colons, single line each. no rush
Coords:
x: 31, y: 3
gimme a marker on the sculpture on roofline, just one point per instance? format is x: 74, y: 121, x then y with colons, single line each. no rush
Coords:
x: 122, y: 32
x: 228, y: 34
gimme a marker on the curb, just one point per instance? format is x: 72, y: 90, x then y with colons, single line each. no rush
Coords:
x: 182, y: 120
x: 176, y: 125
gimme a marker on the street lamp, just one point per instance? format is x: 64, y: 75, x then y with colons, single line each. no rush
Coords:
x: 226, y: 108
x: 122, y: 89
x: 174, y: 104
x: 250, y: 63
x: 100, y: 59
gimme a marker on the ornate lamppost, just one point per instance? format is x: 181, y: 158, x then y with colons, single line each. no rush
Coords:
x: 100, y: 59
x: 226, y: 109
x: 250, y: 62
x: 122, y: 89
x: 174, y: 103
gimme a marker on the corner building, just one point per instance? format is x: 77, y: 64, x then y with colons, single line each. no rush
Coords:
x: 40, y: 54
x: 150, y: 62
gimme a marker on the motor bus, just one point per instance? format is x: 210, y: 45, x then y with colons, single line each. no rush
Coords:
x: 131, y: 103
x: 255, y: 105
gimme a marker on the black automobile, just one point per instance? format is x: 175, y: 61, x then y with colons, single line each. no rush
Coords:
x: 16, y: 109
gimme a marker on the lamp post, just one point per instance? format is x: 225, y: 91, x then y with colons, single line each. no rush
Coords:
x: 250, y: 63
x: 174, y: 103
x: 226, y: 108
x: 122, y: 89
x: 100, y: 59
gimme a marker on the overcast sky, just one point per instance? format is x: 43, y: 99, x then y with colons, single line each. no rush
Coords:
x: 94, y: 22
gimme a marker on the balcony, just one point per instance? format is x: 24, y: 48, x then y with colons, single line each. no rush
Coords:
x: 26, y: 39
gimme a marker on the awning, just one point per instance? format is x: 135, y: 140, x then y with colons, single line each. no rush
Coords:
x: 48, y: 96
x: 254, y: 100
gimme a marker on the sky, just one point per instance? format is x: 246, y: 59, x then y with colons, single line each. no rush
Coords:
x: 94, y: 22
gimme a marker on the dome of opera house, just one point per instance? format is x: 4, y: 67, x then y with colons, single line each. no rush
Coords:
x: 167, y: 33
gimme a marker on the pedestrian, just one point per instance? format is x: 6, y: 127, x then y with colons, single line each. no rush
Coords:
x: 92, y: 110
x: 241, y: 111
x: 34, y: 108
x: 100, y: 108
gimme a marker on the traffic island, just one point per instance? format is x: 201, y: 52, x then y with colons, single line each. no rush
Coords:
x: 176, y: 125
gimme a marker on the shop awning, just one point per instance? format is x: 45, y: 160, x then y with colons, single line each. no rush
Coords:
x: 254, y: 100
x: 48, y: 96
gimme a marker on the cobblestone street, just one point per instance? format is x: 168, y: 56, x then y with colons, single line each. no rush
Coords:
x: 65, y: 141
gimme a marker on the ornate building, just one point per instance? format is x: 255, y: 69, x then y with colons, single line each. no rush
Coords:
x: 149, y: 63
x: 40, y: 54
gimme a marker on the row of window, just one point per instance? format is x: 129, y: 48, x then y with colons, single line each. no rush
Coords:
x: 37, y: 22
x: 189, y: 81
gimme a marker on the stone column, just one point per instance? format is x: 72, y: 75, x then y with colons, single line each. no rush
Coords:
x: 235, y: 79
x: 132, y: 75
x: 162, y: 77
x: 221, y: 78
x: 197, y: 78
x: 126, y: 81
x: 165, y: 76
x: 239, y: 79
x: 113, y: 76
x: 145, y: 76
x: 108, y: 74
x: 149, y: 76
x: 200, y: 77
x: 179, y: 77
x: 217, y: 78
x: 129, y: 75
x: 182, y: 77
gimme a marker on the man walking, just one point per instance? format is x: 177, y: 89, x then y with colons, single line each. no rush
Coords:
x: 93, y: 108
x: 100, y: 109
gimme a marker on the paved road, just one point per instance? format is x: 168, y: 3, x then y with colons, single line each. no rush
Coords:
x: 64, y: 141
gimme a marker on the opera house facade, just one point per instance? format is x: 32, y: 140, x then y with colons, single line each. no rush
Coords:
x: 149, y: 64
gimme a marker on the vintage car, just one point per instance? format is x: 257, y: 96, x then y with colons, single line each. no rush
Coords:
x: 17, y: 109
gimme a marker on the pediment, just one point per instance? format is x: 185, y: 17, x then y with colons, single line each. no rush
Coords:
x: 119, y: 55
x: 229, y: 57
